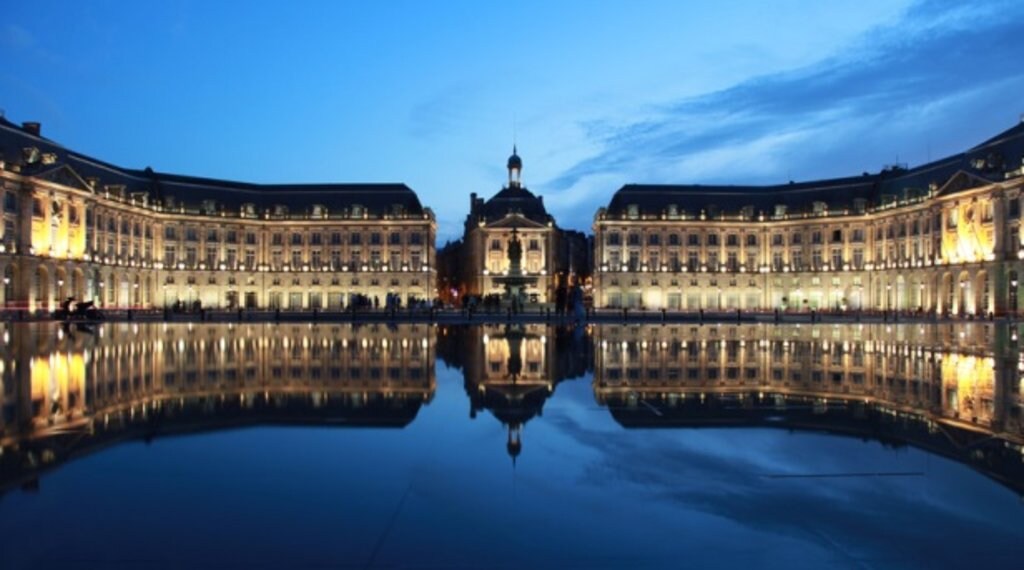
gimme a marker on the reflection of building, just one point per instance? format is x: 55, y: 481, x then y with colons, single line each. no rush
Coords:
x: 943, y: 388
x: 511, y: 370
x: 68, y: 391
x: 550, y: 254
x: 945, y: 236
x: 74, y: 226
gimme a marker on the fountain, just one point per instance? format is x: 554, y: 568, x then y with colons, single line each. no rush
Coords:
x: 514, y: 281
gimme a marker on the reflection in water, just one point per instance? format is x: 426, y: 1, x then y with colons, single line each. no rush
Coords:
x: 954, y: 390
x: 513, y: 369
x: 66, y: 391
x: 951, y: 389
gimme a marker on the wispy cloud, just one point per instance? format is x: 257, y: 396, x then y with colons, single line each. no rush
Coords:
x: 849, y: 112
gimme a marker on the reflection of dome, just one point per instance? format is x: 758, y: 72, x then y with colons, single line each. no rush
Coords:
x: 515, y: 442
x: 514, y: 161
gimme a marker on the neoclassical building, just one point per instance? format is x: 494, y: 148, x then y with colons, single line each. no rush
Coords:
x: 550, y: 255
x: 942, y: 237
x: 76, y: 226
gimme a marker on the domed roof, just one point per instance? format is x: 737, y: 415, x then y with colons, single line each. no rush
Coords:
x: 514, y: 161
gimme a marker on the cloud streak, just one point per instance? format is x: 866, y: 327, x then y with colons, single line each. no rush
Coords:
x: 833, y: 118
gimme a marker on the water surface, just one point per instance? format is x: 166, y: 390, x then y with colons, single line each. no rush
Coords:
x: 221, y: 446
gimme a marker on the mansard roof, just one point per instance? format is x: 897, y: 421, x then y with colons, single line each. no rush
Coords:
x: 991, y: 161
x: 191, y: 191
x: 513, y: 200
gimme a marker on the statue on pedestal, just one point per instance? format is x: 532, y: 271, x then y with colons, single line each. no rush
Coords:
x: 515, y: 254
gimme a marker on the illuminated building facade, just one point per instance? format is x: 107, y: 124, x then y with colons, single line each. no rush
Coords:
x: 944, y: 237
x: 75, y: 226
x: 550, y: 255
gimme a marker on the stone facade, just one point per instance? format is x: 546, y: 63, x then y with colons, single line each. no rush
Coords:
x: 943, y: 238
x: 141, y: 240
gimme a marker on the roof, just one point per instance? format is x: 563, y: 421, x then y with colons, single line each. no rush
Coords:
x: 986, y: 163
x: 192, y: 191
x: 512, y: 200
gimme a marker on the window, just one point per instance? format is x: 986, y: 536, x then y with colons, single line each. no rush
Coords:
x: 673, y: 239
x: 10, y: 202
x: 776, y: 239
x: 276, y: 239
x: 816, y: 237
x: 837, y: 236
x: 858, y: 235
x: 296, y: 239
x: 614, y: 239
x: 211, y: 235
x: 495, y: 245
x: 191, y: 234
x: 38, y: 209
x: 415, y: 238
x: 375, y: 238
x: 796, y: 239
x: 653, y: 239
x: 751, y: 240
x: 316, y: 239
x: 634, y: 239
x: 713, y: 239
x: 1013, y: 211
x: 357, y: 239
x: 394, y: 238
x: 693, y: 239
x: 732, y: 240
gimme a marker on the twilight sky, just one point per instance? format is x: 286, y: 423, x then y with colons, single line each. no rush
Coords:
x: 596, y: 93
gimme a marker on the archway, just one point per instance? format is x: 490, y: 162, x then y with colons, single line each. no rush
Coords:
x: 964, y: 295
x: 1014, y: 300
x: 9, y: 280
x: 947, y: 291
x: 78, y: 283
x: 61, y: 280
x: 41, y: 297
x: 982, y: 299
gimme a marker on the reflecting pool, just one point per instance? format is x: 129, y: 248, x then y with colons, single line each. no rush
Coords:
x: 507, y: 446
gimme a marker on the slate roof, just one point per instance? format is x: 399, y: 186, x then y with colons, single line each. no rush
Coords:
x: 987, y: 161
x: 513, y: 200
x: 191, y: 191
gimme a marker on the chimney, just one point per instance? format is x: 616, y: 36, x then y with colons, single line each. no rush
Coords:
x: 31, y: 127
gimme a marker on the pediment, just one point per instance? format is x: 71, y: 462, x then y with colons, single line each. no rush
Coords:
x: 961, y: 181
x: 515, y: 221
x: 65, y: 176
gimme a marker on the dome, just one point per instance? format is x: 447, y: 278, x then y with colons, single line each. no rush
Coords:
x: 514, y: 161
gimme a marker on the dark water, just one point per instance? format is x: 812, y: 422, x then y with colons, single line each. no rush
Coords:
x: 212, y: 446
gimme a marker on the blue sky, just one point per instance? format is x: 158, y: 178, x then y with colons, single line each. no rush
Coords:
x: 596, y: 93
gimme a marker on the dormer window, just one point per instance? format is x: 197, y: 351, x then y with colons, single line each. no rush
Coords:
x: 209, y: 207
x: 280, y: 210
x: 248, y: 210
x: 319, y: 211
x: 633, y: 211
x: 357, y: 211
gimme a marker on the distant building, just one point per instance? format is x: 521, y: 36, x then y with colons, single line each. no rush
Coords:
x: 551, y: 254
x: 76, y: 226
x: 943, y: 237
